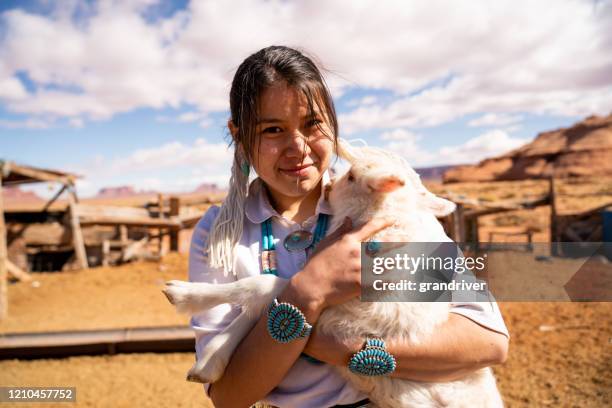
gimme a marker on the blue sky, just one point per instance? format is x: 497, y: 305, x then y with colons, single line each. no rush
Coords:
x: 135, y: 92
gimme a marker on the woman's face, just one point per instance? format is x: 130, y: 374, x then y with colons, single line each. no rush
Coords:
x: 294, y: 148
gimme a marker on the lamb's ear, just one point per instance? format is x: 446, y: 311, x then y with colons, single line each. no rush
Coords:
x: 439, y: 206
x: 346, y: 151
x: 386, y: 184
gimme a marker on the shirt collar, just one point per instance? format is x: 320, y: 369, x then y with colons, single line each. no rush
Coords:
x: 258, y: 207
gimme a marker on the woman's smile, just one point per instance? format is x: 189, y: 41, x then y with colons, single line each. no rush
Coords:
x: 297, y: 171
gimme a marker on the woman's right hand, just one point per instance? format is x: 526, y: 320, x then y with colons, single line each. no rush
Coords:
x: 333, y: 273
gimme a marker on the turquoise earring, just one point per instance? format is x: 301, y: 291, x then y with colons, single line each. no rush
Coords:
x: 245, y: 167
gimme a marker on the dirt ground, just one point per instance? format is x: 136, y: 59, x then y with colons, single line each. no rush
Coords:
x: 560, y: 355
x: 97, y: 298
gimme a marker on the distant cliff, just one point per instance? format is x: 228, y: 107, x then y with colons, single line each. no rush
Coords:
x: 121, y: 191
x: 584, y: 149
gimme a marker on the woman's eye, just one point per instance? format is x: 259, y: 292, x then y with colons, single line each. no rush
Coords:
x: 314, y: 122
x: 272, y: 129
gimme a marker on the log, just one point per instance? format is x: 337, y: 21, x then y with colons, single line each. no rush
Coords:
x: 175, y: 206
x: 3, y: 257
x: 94, y: 211
x: 105, y: 252
x: 160, y: 206
x: 41, y: 175
x: 554, y: 228
x: 77, y: 235
x: 134, y: 222
x: 17, y: 272
x: 458, y: 225
x: 55, y: 197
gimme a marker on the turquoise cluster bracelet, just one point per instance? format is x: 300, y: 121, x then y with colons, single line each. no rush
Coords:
x: 373, y: 359
x: 286, y: 322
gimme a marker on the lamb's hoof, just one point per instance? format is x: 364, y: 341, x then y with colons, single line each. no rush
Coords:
x: 170, y: 295
x: 194, y: 378
x: 174, y: 291
x: 200, y: 377
x: 206, y: 370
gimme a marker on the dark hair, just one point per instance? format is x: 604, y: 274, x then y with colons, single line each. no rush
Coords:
x: 260, y: 71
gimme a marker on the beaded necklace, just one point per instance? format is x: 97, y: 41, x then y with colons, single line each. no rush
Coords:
x: 296, y: 241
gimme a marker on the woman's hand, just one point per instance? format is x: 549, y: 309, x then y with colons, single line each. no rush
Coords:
x: 333, y: 273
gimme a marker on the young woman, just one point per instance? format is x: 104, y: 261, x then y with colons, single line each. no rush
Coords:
x: 283, y: 125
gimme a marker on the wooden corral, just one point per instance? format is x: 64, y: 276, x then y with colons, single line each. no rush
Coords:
x: 12, y: 174
x: 110, y: 234
x: 588, y: 226
x: 71, y: 234
x: 462, y: 225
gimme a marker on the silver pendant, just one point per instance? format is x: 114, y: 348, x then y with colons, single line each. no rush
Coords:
x: 298, y: 241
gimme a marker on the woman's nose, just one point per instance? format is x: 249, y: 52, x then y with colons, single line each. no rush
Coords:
x: 297, y: 144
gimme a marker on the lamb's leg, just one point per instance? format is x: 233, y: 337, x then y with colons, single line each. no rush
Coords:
x: 216, y: 354
x: 251, y: 293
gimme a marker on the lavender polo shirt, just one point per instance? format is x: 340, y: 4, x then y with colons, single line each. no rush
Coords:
x: 306, y: 385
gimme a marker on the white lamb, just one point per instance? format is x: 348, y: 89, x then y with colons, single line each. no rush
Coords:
x: 379, y: 183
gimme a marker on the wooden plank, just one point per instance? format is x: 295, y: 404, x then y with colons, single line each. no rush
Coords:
x: 55, y: 197
x: 41, y: 174
x: 135, y: 222
x: 554, y: 228
x: 66, y: 343
x: 160, y: 206
x: 52, y: 233
x: 129, y: 216
x: 3, y: 260
x: 93, y: 211
x: 105, y: 252
x: 458, y: 224
x: 77, y: 234
x: 175, y: 207
x: 51, y: 339
x: 17, y: 272
x: 123, y: 234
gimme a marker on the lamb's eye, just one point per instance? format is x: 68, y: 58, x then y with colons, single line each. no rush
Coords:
x: 351, y: 178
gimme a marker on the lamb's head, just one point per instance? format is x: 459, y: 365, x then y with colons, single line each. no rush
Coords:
x: 377, y: 176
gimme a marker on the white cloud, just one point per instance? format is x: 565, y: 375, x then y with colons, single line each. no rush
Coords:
x: 407, y: 145
x: 188, y: 117
x: 202, y: 118
x: 486, y: 145
x: 489, y: 144
x: 552, y: 57
x: 440, y: 105
x: 215, y: 156
x: 400, y: 135
x: 364, y: 101
x: 11, y: 89
x: 76, y: 122
x: 495, y: 119
x: 171, y: 167
x: 31, y: 123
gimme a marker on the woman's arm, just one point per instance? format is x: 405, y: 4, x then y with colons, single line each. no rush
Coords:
x: 459, y: 347
x: 259, y: 363
x: 331, y: 276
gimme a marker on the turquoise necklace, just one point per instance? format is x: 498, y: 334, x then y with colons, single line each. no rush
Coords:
x: 296, y: 241
x: 301, y: 240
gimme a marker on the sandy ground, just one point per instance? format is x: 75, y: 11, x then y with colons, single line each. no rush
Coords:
x: 97, y: 298
x: 560, y: 356
x: 125, y: 380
